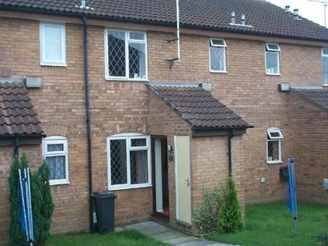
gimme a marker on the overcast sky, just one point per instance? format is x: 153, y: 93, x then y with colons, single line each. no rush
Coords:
x: 311, y: 10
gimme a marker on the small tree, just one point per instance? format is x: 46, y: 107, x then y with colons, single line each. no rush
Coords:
x: 16, y: 237
x: 230, y: 219
x: 43, y: 206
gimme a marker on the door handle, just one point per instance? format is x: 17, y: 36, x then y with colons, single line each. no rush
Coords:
x: 188, y: 181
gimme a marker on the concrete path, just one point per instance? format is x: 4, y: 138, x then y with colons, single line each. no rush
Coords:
x: 170, y: 236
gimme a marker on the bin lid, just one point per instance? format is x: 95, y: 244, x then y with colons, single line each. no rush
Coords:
x: 105, y: 194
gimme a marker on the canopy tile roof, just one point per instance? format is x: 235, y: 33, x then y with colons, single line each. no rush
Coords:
x: 198, y: 107
x: 17, y: 117
x: 265, y: 18
x: 317, y: 96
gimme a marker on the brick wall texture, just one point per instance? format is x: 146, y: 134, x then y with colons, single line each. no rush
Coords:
x: 309, y: 144
x: 125, y: 106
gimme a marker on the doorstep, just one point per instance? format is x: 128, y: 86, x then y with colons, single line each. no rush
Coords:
x: 168, y: 235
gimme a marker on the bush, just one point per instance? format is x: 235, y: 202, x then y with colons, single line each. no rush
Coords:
x: 206, y: 215
x: 16, y: 237
x: 230, y: 219
x: 42, y: 205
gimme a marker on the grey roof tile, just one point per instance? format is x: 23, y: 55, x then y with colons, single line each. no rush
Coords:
x: 17, y: 117
x: 198, y: 107
x: 266, y: 18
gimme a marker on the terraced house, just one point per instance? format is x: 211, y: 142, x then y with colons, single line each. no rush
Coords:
x: 119, y: 95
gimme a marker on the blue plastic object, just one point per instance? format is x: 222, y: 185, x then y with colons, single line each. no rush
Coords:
x: 292, y: 193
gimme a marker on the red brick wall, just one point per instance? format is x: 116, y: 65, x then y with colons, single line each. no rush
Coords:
x: 309, y: 144
x: 33, y: 154
x: 119, y: 107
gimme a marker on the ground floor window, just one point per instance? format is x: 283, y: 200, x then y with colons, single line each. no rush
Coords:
x: 128, y: 161
x: 55, y: 153
x: 274, y: 145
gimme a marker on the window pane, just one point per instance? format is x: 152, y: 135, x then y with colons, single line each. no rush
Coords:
x: 56, y: 166
x: 118, y: 162
x: 55, y: 147
x: 220, y: 42
x: 137, y: 60
x: 325, y: 70
x: 116, y: 54
x: 273, y: 150
x: 52, y: 43
x: 217, y: 58
x: 137, y: 35
x: 272, y: 62
x: 139, y: 167
x: 138, y: 142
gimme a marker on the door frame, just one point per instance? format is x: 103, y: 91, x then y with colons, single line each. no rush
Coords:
x: 176, y: 182
x: 164, y: 159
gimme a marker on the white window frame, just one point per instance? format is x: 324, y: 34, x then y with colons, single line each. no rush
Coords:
x: 278, y: 51
x: 323, y: 55
x: 224, y: 46
x: 45, y: 153
x: 278, y: 139
x: 43, y: 61
x: 127, y: 41
x: 128, y: 137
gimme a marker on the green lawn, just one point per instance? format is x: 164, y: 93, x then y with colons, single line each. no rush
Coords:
x: 270, y: 225
x: 124, y: 238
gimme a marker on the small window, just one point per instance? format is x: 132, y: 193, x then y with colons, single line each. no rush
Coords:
x: 129, y: 162
x: 55, y: 154
x: 52, y: 42
x: 217, y: 50
x: 324, y: 66
x: 126, y: 55
x: 274, y: 145
x: 272, y: 59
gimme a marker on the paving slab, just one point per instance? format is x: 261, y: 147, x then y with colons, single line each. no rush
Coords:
x: 173, y: 237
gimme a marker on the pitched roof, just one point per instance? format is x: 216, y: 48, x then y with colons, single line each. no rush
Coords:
x: 317, y: 96
x: 17, y: 117
x: 266, y: 18
x: 198, y: 107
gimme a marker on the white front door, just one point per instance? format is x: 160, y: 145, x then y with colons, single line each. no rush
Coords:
x: 182, y: 178
x: 158, y: 176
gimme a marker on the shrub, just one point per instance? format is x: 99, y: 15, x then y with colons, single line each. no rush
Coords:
x: 206, y: 215
x: 43, y: 206
x: 16, y: 237
x: 230, y: 219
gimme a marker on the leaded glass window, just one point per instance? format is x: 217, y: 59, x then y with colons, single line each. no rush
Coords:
x: 129, y: 161
x: 126, y: 55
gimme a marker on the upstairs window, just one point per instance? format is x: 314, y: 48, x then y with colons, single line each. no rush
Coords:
x: 129, y: 161
x: 126, y: 55
x: 55, y: 153
x: 52, y: 42
x: 272, y: 59
x: 217, y: 59
x: 324, y: 64
x: 274, y: 145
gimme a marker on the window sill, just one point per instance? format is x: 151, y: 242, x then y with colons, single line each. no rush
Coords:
x: 274, y: 162
x: 128, y: 187
x: 125, y: 79
x: 273, y: 74
x: 59, y: 182
x: 53, y: 64
x: 223, y: 72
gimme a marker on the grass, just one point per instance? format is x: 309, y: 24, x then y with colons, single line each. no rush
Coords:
x: 271, y: 225
x: 123, y: 238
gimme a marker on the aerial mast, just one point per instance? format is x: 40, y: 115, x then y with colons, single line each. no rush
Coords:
x: 324, y: 4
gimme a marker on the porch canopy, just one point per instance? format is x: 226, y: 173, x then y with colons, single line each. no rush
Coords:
x: 317, y: 96
x: 195, y: 105
x: 17, y: 117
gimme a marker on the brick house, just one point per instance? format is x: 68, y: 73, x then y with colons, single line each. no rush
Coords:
x: 97, y: 91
